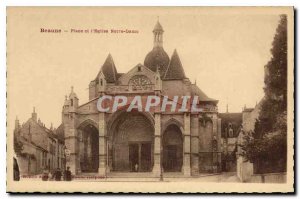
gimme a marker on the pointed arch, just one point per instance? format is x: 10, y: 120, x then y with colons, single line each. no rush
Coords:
x: 172, y: 142
x: 175, y: 122
x: 88, y: 122
x: 88, y: 143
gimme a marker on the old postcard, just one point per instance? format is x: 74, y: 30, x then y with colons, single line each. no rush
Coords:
x: 150, y: 99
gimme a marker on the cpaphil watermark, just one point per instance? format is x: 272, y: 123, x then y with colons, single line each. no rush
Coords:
x: 150, y: 103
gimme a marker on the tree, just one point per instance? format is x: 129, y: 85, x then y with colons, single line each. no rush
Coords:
x: 275, y: 101
x: 268, y: 142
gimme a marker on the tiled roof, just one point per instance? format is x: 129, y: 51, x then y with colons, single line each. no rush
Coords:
x: 158, y: 27
x: 60, y: 132
x: 202, y: 96
x: 175, y: 69
x: 157, y: 58
x: 235, y: 119
x: 109, y: 70
x: 231, y: 117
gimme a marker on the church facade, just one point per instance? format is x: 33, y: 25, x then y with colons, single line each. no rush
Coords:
x: 151, y: 142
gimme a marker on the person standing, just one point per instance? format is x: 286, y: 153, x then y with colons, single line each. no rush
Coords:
x: 68, y: 174
x: 57, y: 174
x: 16, y: 170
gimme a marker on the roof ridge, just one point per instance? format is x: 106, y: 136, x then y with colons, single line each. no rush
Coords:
x: 167, y: 68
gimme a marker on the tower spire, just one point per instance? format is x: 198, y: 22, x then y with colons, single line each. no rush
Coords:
x: 158, y: 34
x: 34, y: 115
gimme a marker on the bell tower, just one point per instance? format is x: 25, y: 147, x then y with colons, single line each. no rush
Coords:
x: 158, y: 35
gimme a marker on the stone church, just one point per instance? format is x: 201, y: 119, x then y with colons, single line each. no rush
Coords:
x: 186, y: 143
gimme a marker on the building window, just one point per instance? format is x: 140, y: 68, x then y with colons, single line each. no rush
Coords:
x: 71, y: 102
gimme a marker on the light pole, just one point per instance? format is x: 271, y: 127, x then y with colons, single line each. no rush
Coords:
x: 161, y: 178
x: 107, y: 157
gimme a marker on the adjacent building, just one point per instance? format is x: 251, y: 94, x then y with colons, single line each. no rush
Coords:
x: 231, y: 125
x: 40, y: 148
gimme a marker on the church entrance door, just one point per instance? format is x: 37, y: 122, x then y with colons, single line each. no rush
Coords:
x: 132, y: 143
x: 140, y: 157
x: 171, y: 158
x: 89, y: 145
x: 134, y: 156
x: 172, y: 149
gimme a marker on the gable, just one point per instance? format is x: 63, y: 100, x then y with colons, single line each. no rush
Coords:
x: 140, y: 70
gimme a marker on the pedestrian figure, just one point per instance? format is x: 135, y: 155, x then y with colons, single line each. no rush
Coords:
x: 16, y: 170
x: 136, y: 167
x: 68, y: 174
x: 57, y: 175
x: 51, y: 175
x: 45, y: 175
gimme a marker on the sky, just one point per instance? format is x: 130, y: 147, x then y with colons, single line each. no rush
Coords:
x: 223, y: 50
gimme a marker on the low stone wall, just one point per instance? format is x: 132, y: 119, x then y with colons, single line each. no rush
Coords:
x: 244, y: 170
x: 269, y: 178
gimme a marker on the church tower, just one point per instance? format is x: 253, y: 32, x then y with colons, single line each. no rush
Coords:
x: 158, y: 35
x: 157, y: 58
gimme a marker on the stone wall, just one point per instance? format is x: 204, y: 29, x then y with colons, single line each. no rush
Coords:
x: 268, y: 178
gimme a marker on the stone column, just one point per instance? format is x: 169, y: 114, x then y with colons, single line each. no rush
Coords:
x: 71, y: 142
x: 102, y: 145
x: 215, y: 124
x: 219, y: 139
x: 216, y: 155
x: 157, y: 145
x: 194, y: 145
x: 187, y: 145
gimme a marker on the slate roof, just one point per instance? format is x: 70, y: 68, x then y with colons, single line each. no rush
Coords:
x: 157, y: 58
x: 109, y: 70
x: 236, y: 120
x: 202, y: 96
x: 60, y: 133
x: 175, y: 69
x: 158, y: 27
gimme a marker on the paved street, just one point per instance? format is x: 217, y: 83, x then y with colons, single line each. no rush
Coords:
x: 224, y: 177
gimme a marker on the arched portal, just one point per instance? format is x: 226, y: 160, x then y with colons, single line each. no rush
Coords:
x: 89, y: 148
x: 172, y: 149
x: 132, y: 143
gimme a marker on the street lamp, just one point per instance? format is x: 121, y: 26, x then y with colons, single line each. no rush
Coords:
x: 161, y: 178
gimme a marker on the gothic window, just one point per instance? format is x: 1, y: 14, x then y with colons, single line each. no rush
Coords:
x: 230, y: 131
x: 139, y: 82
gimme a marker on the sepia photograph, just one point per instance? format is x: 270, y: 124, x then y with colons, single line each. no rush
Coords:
x: 150, y: 99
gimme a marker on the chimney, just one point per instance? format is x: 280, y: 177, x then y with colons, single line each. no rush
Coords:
x: 34, y: 115
x: 17, y: 124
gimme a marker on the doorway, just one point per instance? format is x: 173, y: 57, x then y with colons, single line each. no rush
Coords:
x: 89, y: 161
x: 132, y: 143
x: 172, y: 149
x: 171, y: 158
x: 134, y: 157
x: 140, y: 157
